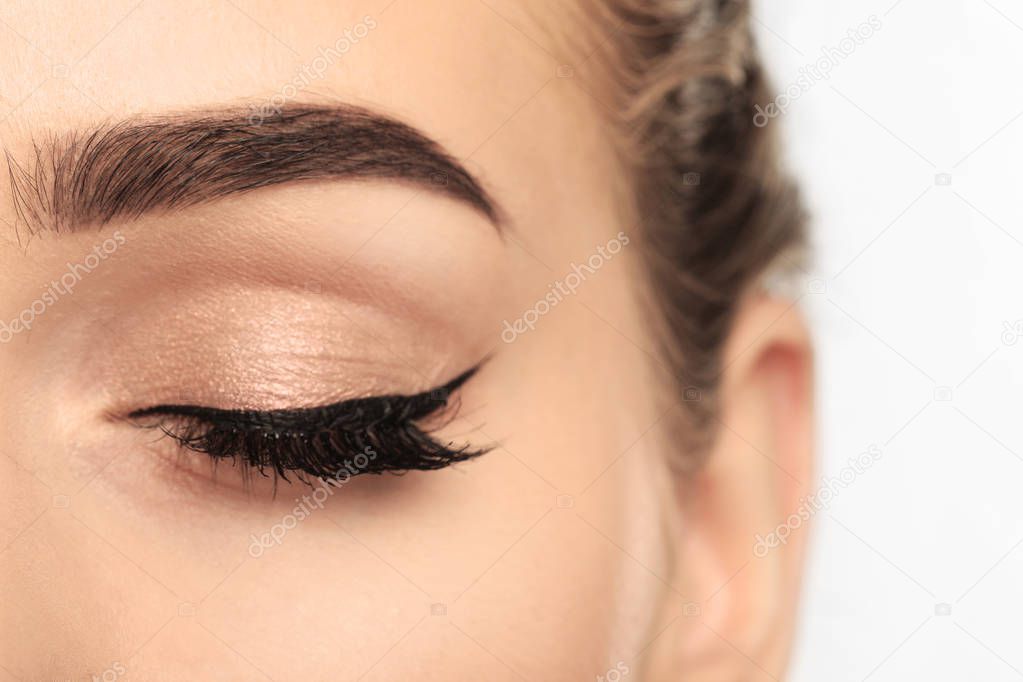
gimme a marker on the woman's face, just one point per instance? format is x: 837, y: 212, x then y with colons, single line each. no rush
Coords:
x: 568, y: 551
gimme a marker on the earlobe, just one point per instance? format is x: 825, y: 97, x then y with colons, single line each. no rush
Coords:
x: 737, y: 554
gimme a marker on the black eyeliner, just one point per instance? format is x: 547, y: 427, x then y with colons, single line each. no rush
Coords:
x: 382, y: 433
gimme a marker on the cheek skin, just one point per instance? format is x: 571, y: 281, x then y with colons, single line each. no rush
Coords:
x: 540, y: 586
x: 607, y: 532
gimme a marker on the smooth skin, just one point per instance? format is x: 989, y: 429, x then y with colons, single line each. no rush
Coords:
x: 574, y: 551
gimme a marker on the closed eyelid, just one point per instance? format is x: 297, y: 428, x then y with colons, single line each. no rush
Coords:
x: 358, y: 411
x: 320, y: 442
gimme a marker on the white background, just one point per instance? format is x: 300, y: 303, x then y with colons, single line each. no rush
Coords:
x: 919, y: 280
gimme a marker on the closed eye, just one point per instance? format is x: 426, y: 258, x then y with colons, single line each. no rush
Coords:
x: 369, y: 435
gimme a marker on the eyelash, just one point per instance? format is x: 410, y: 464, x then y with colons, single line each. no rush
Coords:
x: 354, y: 437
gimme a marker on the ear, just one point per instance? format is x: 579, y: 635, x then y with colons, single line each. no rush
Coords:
x: 744, y: 521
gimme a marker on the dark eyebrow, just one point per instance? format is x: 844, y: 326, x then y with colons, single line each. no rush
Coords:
x: 126, y: 169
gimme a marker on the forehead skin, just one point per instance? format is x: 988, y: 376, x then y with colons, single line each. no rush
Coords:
x: 537, y: 588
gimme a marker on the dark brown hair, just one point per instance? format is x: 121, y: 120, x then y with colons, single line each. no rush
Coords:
x: 715, y: 210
